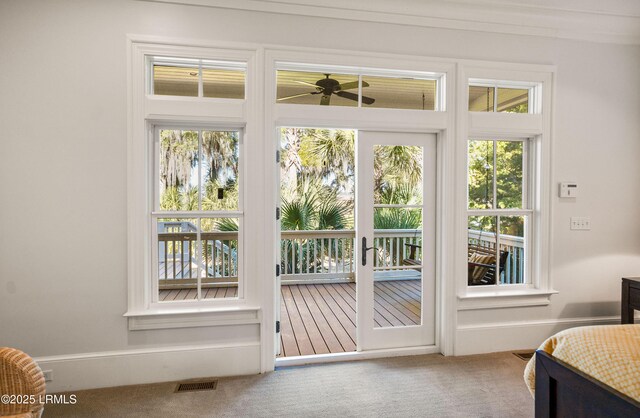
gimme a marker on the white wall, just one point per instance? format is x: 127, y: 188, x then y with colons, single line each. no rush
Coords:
x: 63, y: 166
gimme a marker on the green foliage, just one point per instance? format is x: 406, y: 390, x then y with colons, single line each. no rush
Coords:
x: 179, y: 160
x: 402, y: 194
x: 333, y: 214
x: 508, y: 182
x: 397, y: 169
x: 520, y: 108
x: 395, y: 218
x: 314, y: 207
x: 227, y: 224
x: 297, y: 215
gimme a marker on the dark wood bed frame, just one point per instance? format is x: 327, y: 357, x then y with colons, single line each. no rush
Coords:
x: 564, y: 391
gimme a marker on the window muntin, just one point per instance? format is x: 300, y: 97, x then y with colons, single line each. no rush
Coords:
x: 197, y: 78
x: 485, y: 97
x: 498, y: 212
x: 197, y: 219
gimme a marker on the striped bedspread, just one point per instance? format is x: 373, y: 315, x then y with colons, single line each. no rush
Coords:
x: 608, y: 353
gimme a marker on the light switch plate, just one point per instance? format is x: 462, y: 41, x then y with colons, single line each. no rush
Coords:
x: 580, y: 223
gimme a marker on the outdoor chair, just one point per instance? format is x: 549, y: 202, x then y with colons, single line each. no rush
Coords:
x: 482, y: 265
x: 412, y: 260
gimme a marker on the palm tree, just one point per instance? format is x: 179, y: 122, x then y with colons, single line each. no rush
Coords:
x: 313, y: 207
x: 395, y: 167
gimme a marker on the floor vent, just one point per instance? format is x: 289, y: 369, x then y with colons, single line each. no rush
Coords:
x: 196, y: 386
x: 524, y: 356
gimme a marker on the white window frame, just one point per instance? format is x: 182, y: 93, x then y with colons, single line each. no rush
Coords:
x: 535, y: 128
x: 147, y: 112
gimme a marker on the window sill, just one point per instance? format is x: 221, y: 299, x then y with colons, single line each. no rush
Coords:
x: 166, y: 318
x: 503, y: 298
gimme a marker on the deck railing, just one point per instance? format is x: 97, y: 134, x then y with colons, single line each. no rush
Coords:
x: 327, y: 256
x: 514, y: 267
x: 307, y: 256
x: 179, y: 261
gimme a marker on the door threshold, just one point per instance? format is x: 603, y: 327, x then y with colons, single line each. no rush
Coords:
x: 356, y: 355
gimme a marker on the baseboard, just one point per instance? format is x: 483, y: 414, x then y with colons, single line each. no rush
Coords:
x: 505, y: 336
x: 132, y: 367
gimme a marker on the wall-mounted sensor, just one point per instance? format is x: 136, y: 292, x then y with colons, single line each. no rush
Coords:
x: 568, y: 189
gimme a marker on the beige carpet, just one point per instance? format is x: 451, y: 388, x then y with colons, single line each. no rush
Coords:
x: 488, y: 385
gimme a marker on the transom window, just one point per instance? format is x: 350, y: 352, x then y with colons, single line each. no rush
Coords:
x: 492, y: 96
x: 171, y: 76
x: 499, y: 212
x: 359, y: 89
x: 197, y: 217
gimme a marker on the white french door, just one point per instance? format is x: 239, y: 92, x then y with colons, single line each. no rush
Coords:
x: 395, y: 239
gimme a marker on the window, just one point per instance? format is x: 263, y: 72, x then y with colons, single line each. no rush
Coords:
x: 498, y: 212
x: 191, y: 110
x: 197, y: 216
x: 197, y: 78
x: 359, y: 89
x: 488, y: 96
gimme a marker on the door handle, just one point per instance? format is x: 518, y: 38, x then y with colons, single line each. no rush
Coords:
x: 364, y: 250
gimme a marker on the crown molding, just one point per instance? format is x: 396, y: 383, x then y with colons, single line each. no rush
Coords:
x: 613, y: 21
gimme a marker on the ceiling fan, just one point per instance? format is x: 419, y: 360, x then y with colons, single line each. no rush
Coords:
x: 328, y: 86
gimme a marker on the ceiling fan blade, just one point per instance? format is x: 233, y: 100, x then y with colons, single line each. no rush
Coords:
x: 326, y: 98
x: 353, y: 96
x: 349, y: 85
x: 296, y: 95
x: 352, y: 85
x: 367, y: 100
x: 305, y: 83
x: 347, y: 95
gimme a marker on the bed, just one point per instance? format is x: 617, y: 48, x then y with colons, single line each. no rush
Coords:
x: 587, y: 372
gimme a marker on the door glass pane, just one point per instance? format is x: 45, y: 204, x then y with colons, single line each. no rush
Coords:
x: 512, y: 249
x: 398, y: 93
x: 219, y: 171
x: 177, y: 261
x: 300, y: 87
x: 481, y: 99
x: 480, y: 160
x: 509, y: 171
x: 178, y: 170
x: 397, y: 174
x: 397, y: 261
x: 481, y: 254
x: 219, y: 258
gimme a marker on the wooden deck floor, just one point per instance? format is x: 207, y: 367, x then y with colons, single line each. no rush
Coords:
x: 321, y: 318
x: 207, y: 293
